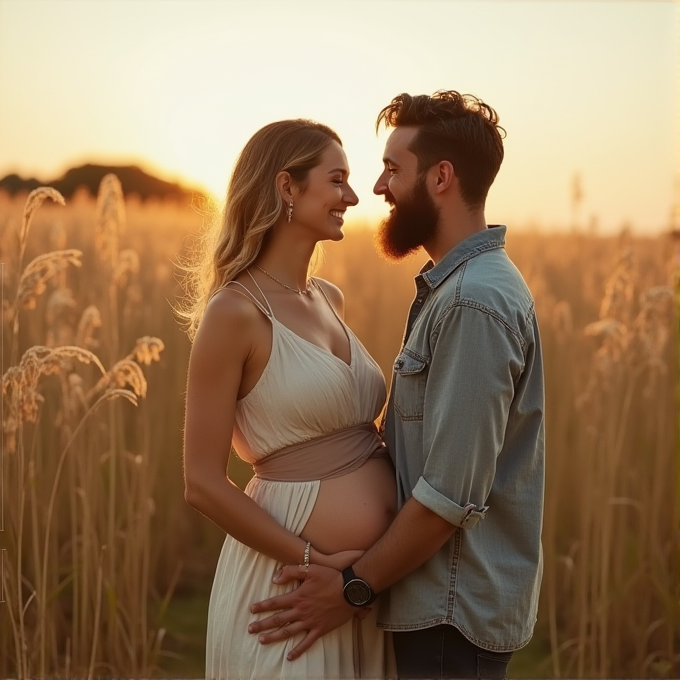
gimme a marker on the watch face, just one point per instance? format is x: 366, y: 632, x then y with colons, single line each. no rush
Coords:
x: 358, y: 592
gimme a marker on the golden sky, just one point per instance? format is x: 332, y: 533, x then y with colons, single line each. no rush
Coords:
x: 179, y: 86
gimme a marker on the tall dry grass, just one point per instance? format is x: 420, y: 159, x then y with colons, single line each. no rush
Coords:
x: 119, y: 536
x: 78, y: 499
x: 610, y: 595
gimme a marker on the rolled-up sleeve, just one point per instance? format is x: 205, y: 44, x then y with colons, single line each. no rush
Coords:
x: 475, y: 361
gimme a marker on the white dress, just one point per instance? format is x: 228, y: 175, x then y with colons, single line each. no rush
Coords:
x: 329, y: 396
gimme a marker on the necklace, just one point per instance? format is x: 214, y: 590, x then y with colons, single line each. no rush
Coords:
x: 281, y: 283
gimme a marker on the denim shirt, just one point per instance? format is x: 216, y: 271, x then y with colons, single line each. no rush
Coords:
x: 465, y: 428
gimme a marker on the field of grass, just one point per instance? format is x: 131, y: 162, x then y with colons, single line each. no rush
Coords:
x: 106, y: 570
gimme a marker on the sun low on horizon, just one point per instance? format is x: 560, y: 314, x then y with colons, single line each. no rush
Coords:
x: 586, y: 91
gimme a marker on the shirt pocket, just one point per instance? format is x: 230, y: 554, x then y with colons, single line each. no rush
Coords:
x: 409, y: 388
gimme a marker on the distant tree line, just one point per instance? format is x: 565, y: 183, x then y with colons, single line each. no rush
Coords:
x: 133, y: 179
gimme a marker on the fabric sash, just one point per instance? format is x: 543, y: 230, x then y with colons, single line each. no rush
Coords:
x: 331, y: 455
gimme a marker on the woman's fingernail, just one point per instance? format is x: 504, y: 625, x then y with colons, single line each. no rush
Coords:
x: 261, y: 638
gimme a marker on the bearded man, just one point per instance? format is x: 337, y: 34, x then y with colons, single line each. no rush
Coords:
x: 464, y: 423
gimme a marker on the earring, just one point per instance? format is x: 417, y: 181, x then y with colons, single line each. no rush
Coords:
x: 290, y: 210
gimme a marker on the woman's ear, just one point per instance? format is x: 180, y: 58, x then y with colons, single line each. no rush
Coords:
x: 284, y: 184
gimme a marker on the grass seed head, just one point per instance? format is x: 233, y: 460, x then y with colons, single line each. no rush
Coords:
x: 33, y: 202
x: 110, y: 219
x: 651, y: 327
x: 80, y: 354
x: 619, y: 289
x: 125, y: 372
x: 11, y: 380
x: 147, y: 350
x: 37, y: 362
x: 115, y: 393
x: 90, y: 320
x: 33, y: 282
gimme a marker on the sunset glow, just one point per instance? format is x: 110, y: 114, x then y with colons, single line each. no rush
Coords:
x: 583, y: 88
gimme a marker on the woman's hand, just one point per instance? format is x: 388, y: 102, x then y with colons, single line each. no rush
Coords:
x: 339, y: 560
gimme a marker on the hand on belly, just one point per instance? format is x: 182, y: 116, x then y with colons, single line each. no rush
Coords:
x: 353, y: 511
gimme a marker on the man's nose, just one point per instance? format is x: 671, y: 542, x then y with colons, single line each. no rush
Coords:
x: 381, y: 185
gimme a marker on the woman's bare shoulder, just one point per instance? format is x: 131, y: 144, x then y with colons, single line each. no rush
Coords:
x: 334, y: 294
x: 230, y: 321
x: 231, y: 304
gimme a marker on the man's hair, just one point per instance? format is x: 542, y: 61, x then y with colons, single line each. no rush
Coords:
x: 454, y: 127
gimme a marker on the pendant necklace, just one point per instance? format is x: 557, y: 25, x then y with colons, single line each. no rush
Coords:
x: 281, y: 283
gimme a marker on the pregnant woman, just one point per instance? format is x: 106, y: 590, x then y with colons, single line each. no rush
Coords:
x: 275, y: 372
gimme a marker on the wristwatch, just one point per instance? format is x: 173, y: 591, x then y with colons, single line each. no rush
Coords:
x: 356, y: 591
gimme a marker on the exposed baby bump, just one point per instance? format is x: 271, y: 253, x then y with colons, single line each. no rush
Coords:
x: 353, y: 511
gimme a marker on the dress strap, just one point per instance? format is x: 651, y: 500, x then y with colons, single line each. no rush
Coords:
x: 264, y: 297
x: 318, y: 286
x: 265, y: 310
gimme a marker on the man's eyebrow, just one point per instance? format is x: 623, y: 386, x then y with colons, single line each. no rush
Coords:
x: 388, y: 161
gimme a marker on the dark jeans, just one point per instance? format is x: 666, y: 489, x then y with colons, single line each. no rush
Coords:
x: 444, y: 652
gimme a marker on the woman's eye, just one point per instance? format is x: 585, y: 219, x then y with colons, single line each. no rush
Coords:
x: 339, y: 182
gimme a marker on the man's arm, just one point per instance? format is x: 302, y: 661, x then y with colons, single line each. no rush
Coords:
x: 469, y: 390
x: 415, y: 535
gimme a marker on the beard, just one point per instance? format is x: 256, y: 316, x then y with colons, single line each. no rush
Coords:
x: 410, y: 225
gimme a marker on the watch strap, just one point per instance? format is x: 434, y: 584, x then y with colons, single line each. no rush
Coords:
x: 348, y: 575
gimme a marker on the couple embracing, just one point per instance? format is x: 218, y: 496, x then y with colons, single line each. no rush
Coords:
x: 413, y: 551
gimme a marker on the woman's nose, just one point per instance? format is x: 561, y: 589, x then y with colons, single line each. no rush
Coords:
x: 350, y: 197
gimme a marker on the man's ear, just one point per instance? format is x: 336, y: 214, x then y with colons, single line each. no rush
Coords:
x: 284, y: 185
x: 444, y: 176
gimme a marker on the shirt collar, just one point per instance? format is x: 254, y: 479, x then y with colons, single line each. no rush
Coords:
x: 491, y: 238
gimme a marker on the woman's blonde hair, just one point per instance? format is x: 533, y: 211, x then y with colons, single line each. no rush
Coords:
x: 233, y: 240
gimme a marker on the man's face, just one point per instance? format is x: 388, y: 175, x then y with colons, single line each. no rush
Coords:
x: 413, y: 217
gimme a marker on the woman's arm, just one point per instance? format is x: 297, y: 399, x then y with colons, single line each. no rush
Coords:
x: 231, y: 334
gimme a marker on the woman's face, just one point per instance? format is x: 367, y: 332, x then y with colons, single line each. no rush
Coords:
x: 321, y: 206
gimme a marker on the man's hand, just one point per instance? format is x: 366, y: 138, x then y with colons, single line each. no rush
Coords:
x: 317, y: 607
